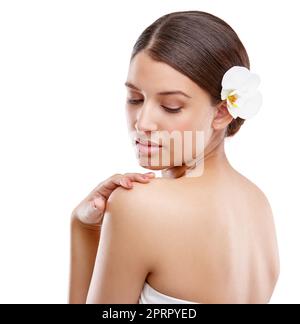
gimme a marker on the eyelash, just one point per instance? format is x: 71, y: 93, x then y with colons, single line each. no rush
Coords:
x: 170, y: 110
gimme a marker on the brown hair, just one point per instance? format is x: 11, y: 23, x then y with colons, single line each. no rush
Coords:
x: 199, y: 45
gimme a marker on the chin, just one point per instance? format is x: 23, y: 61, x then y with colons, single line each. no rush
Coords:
x: 154, y: 168
x: 160, y: 167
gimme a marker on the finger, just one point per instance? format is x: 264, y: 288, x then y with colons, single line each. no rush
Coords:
x: 125, y: 183
x: 133, y: 174
x: 109, y: 186
x: 106, y: 187
x: 150, y: 174
x: 139, y: 177
x: 99, y: 203
x: 128, y: 178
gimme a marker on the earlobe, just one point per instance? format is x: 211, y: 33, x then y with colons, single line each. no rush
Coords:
x: 222, y: 117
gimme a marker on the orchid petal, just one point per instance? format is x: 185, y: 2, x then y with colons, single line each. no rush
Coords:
x: 239, y: 88
x: 235, y: 77
x: 248, y: 107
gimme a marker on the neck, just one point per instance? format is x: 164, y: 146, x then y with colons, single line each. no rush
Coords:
x: 214, y: 157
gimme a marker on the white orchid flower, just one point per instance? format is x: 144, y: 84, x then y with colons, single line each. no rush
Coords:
x: 239, y: 88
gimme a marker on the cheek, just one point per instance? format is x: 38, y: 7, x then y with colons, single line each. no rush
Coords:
x: 181, y: 124
x: 194, y: 131
x: 190, y: 121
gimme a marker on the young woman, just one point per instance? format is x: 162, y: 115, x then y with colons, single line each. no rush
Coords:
x: 202, y: 232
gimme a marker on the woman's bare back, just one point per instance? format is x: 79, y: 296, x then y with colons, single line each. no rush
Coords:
x: 213, y: 239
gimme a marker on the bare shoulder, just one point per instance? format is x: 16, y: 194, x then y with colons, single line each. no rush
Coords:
x: 146, y: 208
x: 160, y: 206
x: 141, y: 198
x: 255, y: 194
x: 135, y: 214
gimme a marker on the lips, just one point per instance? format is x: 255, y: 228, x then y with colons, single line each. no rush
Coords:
x: 147, y: 143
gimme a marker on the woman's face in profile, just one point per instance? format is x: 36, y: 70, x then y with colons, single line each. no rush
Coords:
x: 165, y: 107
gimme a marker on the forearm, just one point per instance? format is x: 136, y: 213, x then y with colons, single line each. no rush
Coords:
x: 84, y: 245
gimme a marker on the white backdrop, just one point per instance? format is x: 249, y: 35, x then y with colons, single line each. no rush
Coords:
x: 63, y: 128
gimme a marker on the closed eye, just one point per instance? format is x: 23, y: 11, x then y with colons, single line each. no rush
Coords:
x: 172, y: 110
x: 168, y: 109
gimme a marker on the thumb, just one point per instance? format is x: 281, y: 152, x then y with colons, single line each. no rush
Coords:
x: 89, y: 213
x: 99, y: 204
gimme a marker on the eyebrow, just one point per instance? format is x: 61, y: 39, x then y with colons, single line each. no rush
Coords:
x: 163, y: 93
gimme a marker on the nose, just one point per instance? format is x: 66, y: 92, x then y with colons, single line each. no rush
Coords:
x: 145, y: 120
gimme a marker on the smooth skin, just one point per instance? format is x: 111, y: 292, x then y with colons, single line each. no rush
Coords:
x: 86, y: 221
x: 203, y: 232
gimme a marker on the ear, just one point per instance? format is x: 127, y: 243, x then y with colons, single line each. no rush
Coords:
x: 222, y: 117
